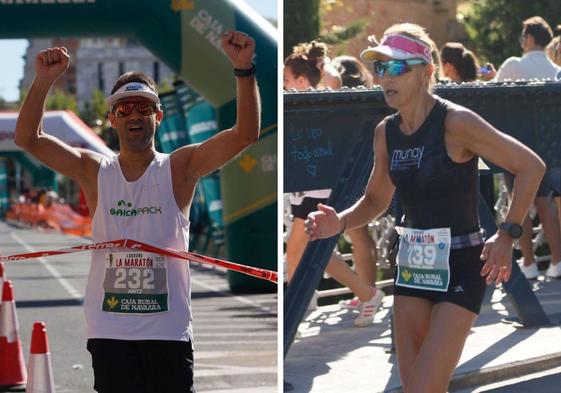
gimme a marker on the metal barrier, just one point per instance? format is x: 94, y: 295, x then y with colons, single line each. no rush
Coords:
x: 328, y: 144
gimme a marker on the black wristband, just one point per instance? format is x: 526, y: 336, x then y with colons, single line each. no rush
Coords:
x: 246, y: 72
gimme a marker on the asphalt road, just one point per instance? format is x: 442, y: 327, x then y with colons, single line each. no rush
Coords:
x: 235, y: 336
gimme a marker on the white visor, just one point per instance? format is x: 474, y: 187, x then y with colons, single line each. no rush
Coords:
x: 399, y: 47
x: 133, y: 89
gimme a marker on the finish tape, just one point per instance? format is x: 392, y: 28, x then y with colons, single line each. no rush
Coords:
x: 264, y: 274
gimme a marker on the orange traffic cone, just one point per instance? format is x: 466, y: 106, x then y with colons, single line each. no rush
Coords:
x: 12, y: 365
x: 40, y: 371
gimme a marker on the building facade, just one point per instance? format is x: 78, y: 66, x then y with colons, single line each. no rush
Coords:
x: 95, y: 64
x: 100, y: 61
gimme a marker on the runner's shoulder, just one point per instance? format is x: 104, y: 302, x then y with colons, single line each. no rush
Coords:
x: 92, y: 156
x: 91, y: 161
x: 381, y: 127
x: 462, y: 122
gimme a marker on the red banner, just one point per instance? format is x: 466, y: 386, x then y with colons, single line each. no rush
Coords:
x: 264, y: 274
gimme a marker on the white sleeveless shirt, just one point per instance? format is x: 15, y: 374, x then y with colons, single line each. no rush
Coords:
x: 131, y: 295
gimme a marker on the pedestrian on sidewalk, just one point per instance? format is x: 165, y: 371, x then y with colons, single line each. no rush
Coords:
x: 534, y: 64
x: 428, y: 151
x: 139, y: 320
x: 304, y: 69
x: 365, y: 256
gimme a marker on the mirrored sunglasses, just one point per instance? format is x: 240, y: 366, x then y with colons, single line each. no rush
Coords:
x: 126, y: 108
x: 395, y: 67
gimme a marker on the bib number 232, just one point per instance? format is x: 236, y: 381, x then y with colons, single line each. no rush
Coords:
x: 134, y: 278
x: 135, y: 283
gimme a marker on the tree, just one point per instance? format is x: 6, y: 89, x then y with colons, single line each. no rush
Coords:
x: 494, y: 26
x: 95, y: 109
x: 165, y: 86
x: 7, y: 105
x: 59, y: 100
x: 301, y: 22
x: 95, y: 115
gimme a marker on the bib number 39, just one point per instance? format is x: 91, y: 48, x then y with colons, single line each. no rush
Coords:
x: 421, y: 255
x: 423, y: 258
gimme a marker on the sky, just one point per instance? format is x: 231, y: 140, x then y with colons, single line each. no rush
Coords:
x: 11, y: 66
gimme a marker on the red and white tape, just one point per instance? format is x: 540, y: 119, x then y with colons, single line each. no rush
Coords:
x: 264, y: 274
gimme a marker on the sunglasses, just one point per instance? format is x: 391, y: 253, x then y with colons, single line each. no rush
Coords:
x: 395, y: 67
x: 125, y: 109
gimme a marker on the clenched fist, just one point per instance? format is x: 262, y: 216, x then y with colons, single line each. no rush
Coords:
x: 239, y: 47
x: 51, y: 63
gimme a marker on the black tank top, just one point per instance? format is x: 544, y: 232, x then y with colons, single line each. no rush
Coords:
x: 434, y: 191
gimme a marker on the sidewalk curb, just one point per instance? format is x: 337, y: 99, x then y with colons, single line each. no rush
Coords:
x: 499, y: 373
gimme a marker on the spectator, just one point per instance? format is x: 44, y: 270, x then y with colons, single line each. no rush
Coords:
x: 329, y: 77
x: 353, y: 72
x: 302, y: 70
x: 536, y: 35
x: 553, y: 50
x: 458, y: 63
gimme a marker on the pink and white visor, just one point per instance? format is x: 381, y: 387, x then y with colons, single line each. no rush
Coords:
x: 399, y: 47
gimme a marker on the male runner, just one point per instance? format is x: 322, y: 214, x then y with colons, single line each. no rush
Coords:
x: 137, y: 304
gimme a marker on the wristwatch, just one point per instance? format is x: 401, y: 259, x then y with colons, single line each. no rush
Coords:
x: 512, y: 230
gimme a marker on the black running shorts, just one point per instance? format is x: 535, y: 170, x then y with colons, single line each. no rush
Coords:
x: 143, y: 366
x: 466, y: 288
x: 307, y: 206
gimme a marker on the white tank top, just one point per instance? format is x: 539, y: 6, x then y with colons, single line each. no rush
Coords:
x: 134, y: 295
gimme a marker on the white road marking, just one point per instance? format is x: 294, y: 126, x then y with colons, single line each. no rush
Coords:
x: 241, y: 299
x: 73, y: 292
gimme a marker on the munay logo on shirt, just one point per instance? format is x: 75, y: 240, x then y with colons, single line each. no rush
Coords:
x: 125, y: 209
x: 403, y: 160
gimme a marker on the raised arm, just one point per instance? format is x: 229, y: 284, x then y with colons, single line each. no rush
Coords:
x: 79, y: 164
x: 477, y: 136
x: 200, y: 159
x: 326, y: 222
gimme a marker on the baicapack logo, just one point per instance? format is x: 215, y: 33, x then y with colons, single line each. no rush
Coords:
x: 125, y: 209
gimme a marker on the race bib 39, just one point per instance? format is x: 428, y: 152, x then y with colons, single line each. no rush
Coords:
x: 423, y: 260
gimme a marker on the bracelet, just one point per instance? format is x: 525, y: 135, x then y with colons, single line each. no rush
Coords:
x: 245, y: 72
x: 344, y: 224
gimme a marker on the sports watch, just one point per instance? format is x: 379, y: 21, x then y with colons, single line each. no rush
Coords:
x: 512, y: 230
